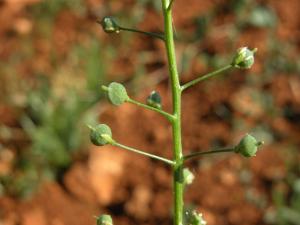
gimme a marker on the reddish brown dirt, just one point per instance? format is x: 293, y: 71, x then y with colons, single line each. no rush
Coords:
x: 137, y: 190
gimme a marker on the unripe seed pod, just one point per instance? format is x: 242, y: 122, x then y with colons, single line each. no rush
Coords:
x: 104, y: 220
x: 109, y: 25
x: 101, y: 135
x: 154, y: 100
x: 117, y: 93
x: 247, y: 146
x: 244, y: 58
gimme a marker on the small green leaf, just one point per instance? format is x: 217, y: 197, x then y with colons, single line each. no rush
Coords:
x: 117, y: 93
x: 154, y: 100
x: 101, y: 135
x: 104, y: 220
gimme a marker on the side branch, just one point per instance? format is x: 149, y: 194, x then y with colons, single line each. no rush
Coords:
x: 197, y: 154
x: 205, y: 77
x: 169, y: 116
x: 170, y: 4
x: 151, y: 34
x: 170, y: 162
x: 109, y: 25
x: 117, y: 95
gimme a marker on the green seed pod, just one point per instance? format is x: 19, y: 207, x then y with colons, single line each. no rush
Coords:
x: 244, y: 58
x: 154, y: 100
x: 117, y: 93
x: 188, y: 176
x: 101, y: 135
x: 109, y: 25
x: 104, y: 220
x: 247, y: 146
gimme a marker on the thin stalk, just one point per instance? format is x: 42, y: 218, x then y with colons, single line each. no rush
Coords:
x: 156, y: 35
x: 170, y: 4
x: 205, y: 77
x: 178, y: 184
x: 170, y: 162
x: 165, y: 114
x: 197, y: 154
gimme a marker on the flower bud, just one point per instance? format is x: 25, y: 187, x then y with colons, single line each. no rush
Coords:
x: 109, y: 25
x: 247, y: 146
x: 194, y: 218
x: 117, y: 93
x: 188, y: 176
x: 104, y: 220
x: 154, y: 100
x: 244, y: 58
x: 101, y: 135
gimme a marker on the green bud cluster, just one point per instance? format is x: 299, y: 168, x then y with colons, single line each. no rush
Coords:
x: 101, y: 135
x: 154, y: 100
x: 104, y: 220
x: 244, y: 58
x: 109, y: 25
x: 247, y: 146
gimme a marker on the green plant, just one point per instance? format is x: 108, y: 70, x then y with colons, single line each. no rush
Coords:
x: 287, y: 206
x: 117, y: 94
x: 286, y: 192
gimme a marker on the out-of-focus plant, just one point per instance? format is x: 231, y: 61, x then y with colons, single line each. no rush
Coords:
x: 251, y: 13
x: 50, y: 9
x: 287, y: 210
x: 53, y: 113
x: 101, y: 134
x: 286, y: 194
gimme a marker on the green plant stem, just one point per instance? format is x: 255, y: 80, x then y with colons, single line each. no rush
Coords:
x: 156, y: 35
x: 170, y: 4
x: 205, y: 77
x: 197, y: 154
x: 165, y: 114
x: 170, y: 162
x: 178, y: 184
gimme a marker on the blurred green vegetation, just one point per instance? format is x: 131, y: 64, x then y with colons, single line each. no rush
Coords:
x: 286, y: 193
x: 53, y: 108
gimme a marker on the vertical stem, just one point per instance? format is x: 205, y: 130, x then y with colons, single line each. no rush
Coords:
x: 176, y: 122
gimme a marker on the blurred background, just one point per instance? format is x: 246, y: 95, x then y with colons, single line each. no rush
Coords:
x: 54, y: 58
